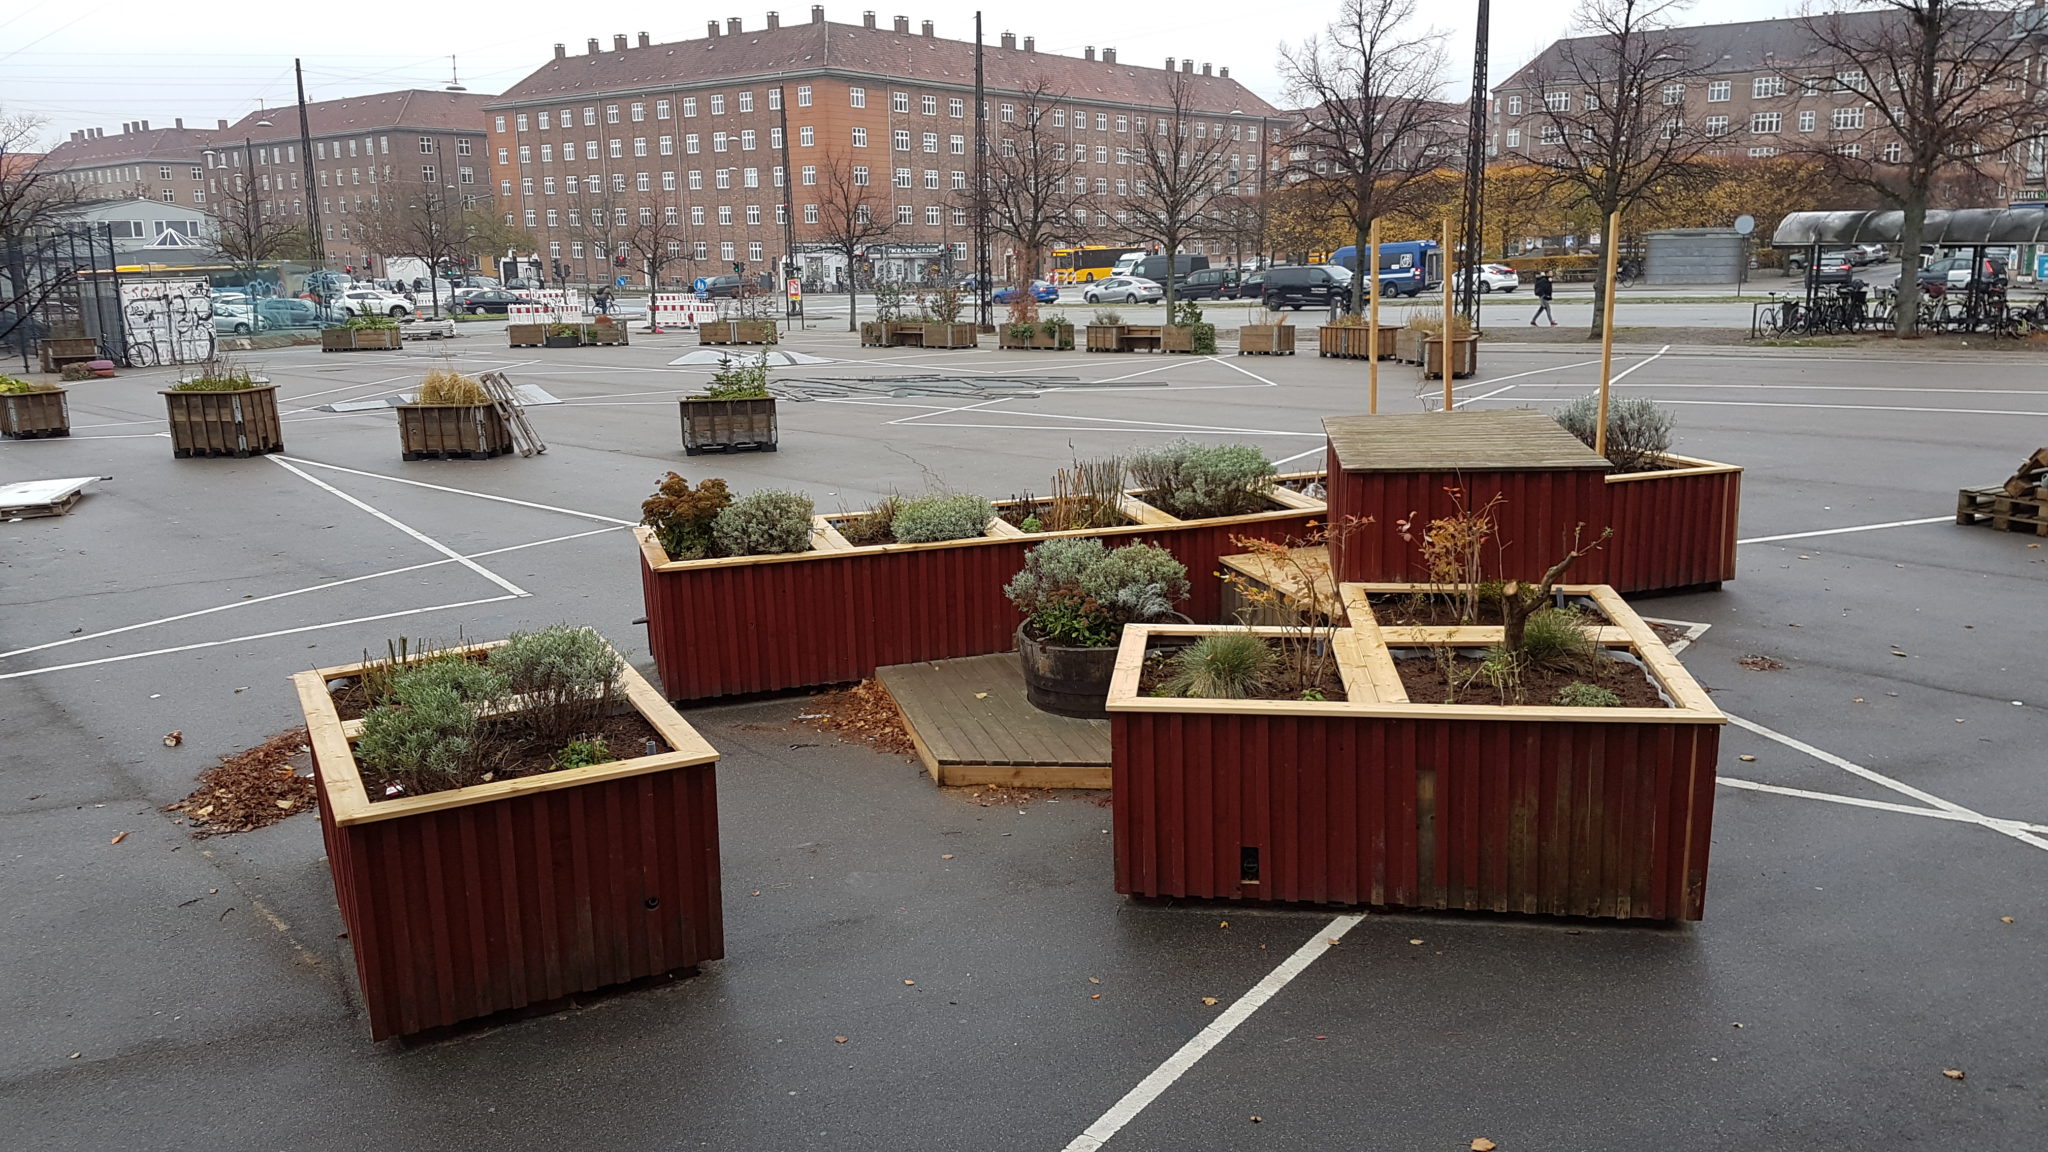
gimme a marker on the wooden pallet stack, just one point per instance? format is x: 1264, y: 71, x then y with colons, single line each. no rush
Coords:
x: 2019, y: 505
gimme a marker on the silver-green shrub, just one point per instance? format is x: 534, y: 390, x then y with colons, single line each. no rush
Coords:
x: 942, y: 518
x: 763, y: 524
x: 1136, y: 582
x: 429, y: 738
x: 1193, y: 480
x: 565, y: 676
x: 1638, y: 428
x: 1052, y: 568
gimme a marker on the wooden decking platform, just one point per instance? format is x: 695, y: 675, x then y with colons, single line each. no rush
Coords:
x: 972, y: 725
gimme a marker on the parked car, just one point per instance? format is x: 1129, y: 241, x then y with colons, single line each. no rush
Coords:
x: 1154, y: 268
x: 1124, y: 290
x: 1954, y: 271
x: 1835, y: 268
x: 1253, y: 286
x: 730, y: 287
x: 1870, y: 253
x: 1298, y: 285
x: 1494, y: 278
x: 479, y: 301
x: 1210, y: 284
x: 237, y: 319
x: 286, y: 312
x: 1041, y: 291
x: 371, y: 302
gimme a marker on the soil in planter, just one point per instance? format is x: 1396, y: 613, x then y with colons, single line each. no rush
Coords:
x: 517, y: 754
x: 251, y: 789
x: 1422, y: 610
x: 1423, y: 678
x: 1017, y: 510
x: 1158, y: 669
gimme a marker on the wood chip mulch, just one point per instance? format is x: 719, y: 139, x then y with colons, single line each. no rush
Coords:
x: 252, y: 789
x: 866, y: 714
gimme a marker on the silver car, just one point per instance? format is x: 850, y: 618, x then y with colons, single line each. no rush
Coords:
x: 236, y: 320
x: 1124, y: 290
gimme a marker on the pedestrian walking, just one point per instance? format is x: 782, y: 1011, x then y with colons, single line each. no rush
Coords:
x: 1542, y: 290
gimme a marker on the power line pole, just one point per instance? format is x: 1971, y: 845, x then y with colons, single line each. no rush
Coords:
x: 319, y: 245
x: 982, y: 287
x: 789, y: 267
x: 1472, y: 225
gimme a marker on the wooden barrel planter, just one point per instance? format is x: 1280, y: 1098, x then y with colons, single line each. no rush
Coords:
x: 360, y: 339
x: 603, y: 334
x: 1061, y: 339
x: 452, y: 432
x: 1347, y: 343
x: 950, y: 336
x: 498, y: 896
x: 1176, y: 338
x: 728, y: 425
x: 239, y: 423
x: 1380, y: 800
x: 1265, y: 340
x: 1106, y: 337
x: 33, y: 415
x: 526, y: 335
x: 1464, y: 357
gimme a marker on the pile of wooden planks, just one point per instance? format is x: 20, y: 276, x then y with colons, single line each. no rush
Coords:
x: 2019, y: 505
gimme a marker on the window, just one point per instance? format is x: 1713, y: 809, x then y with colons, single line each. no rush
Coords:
x: 641, y: 181
x: 498, y: 125
x: 669, y: 214
x: 1514, y: 105
x: 696, y: 180
x: 751, y: 178
x: 901, y: 138
x: 725, y: 215
x: 547, y: 186
x: 1102, y: 121
x: 803, y: 95
x: 504, y: 186
x: 197, y: 174
x: 754, y: 250
x: 667, y: 146
x: 504, y: 155
x: 1893, y: 152
x: 899, y: 102
x: 1717, y: 125
x: 1561, y: 101
x: 931, y: 179
x: 777, y: 175
x: 618, y: 148
x: 526, y: 153
x: 1674, y: 94
x: 747, y: 140
x: 905, y: 214
x: 1851, y: 81
x: 722, y: 177
x: 929, y: 105
x: 960, y: 221
x: 661, y: 109
x: 753, y: 213
x: 701, y: 249
x: 668, y: 181
x: 611, y: 113
x: 902, y: 178
x: 959, y: 182
x: 931, y: 142
x: 858, y: 97
x: 639, y: 145
x: 1850, y: 150
x: 697, y: 215
x: 775, y: 99
x: 428, y: 175
x: 775, y: 138
x: 1720, y: 90
x: 810, y: 213
x: 746, y: 101
x: 589, y: 150
x: 1550, y: 135
x: 1807, y: 119
x: 1123, y: 123
x: 718, y: 140
x: 957, y: 145
x: 1811, y: 85
x: 465, y: 175
x: 810, y: 174
x: 860, y: 175
x: 1765, y: 87
x: 956, y: 107
x: 689, y: 105
x: 690, y: 143
x: 805, y: 137
x: 931, y: 217
x: 860, y: 137
x: 547, y: 153
x: 637, y: 111
x: 1102, y: 153
x: 519, y: 122
x: 1847, y: 119
x: 1763, y: 151
x: 163, y: 172
x: 1761, y: 122
x: 1009, y: 114
x: 554, y: 218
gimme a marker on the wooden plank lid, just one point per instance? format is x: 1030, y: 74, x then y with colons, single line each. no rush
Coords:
x: 1506, y: 440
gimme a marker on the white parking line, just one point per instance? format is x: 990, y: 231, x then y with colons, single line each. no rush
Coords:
x: 1857, y: 528
x: 456, y: 491
x: 1205, y: 1041
x: 1879, y: 805
x: 408, y: 529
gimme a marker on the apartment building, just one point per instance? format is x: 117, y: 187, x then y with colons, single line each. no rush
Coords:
x: 161, y: 164
x: 1755, y: 89
x: 695, y: 133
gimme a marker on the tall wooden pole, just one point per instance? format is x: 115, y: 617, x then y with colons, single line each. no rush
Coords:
x: 1372, y: 326
x: 1450, y: 312
x: 1612, y: 242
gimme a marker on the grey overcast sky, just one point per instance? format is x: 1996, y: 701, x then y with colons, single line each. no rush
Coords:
x: 98, y: 63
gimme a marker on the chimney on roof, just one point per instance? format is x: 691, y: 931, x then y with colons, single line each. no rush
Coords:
x: 179, y: 122
x: 1223, y: 72
x: 1169, y: 63
x: 77, y: 136
x: 1109, y: 55
x: 124, y: 126
x: 1205, y: 70
x: 817, y: 13
x: 927, y: 29
x: 1088, y: 53
x: 644, y: 41
x: 619, y: 42
x: 594, y: 49
x: 774, y: 21
x: 1187, y: 66
x: 561, y: 51
x: 220, y: 124
x: 902, y: 24
x: 1010, y: 40
x: 867, y: 19
x: 711, y: 28
x: 145, y: 125
x: 732, y: 25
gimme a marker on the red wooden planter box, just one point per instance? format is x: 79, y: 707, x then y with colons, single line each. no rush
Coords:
x: 774, y: 623
x: 1672, y: 529
x: 464, y: 903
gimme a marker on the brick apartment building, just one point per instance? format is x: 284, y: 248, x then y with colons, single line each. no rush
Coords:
x: 694, y: 131
x: 1758, y: 89
x: 162, y: 164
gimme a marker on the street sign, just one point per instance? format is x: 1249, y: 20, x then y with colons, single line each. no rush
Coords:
x: 700, y: 285
x: 1745, y: 224
x: 795, y: 287
x: 619, y: 282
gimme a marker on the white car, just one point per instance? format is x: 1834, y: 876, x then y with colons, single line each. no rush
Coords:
x: 1496, y: 278
x: 236, y: 319
x: 370, y: 302
x: 1124, y: 290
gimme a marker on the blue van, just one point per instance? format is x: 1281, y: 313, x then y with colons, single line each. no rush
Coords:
x: 1407, y: 267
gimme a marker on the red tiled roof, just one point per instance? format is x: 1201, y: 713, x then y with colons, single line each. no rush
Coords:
x: 413, y: 108
x: 177, y: 144
x: 812, y: 48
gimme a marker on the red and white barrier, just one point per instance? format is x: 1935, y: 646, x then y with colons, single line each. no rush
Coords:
x: 681, y: 309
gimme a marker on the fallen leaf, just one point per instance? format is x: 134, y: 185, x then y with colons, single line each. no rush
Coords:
x: 981, y: 695
x: 1738, y: 1024
x: 1322, y: 1037
x: 1952, y: 1073
x: 118, y: 837
x: 839, y: 1039
x: 2005, y: 920
x: 1210, y: 1001
x: 1858, y: 700
x: 1747, y: 759
x: 1096, y: 996
x: 1415, y: 941
x: 74, y: 1055
x: 284, y: 803
x: 1223, y: 924
x: 173, y: 739
x: 1094, y: 980
x: 757, y: 891
x: 1258, y: 1119
x: 1896, y: 652
x: 947, y: 856
x: 1482, y: 1144
x: 909, y: 983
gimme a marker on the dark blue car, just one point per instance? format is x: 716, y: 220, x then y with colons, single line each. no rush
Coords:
x: 1041, y: 291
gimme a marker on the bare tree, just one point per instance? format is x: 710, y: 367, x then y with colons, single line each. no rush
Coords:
x: 606, y: 224
x: 1938, y: 89
x: 1036, y: 191
x: 1611, y: 107
x: 428, y: 222
x: 35, y: 197
x: 657, y: 238
x: 248, y: 236
x: 850, y: 215
x: 1178, y: 167
x: 1374, y: 125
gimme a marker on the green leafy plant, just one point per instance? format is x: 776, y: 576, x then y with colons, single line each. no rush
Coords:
x: 682, y: 517
x: 874, y: 526
x: 1224, y: 666
x: 1579, y: 694
x: 744, y: 379
x: 1032, y: 524
x: 15, y: 386
x: 445, y: 386
x: 584, y: 753
x: 945, y: 517
x: 1313, y: 694
x: 945, y: 305
x: 1075, y: 591
x: 888, y: 300
x: 432, y: 735
x: 375, y: 678
x: 1193, y: 480
x: 764, y: 523
x: 1186, y: 313
x: 1022, y: 331
x: 1108, y: 316
x: 1638, y: 429
x: 369, y: 322
x: 566, y: 678
x: 565, y: 331
x: 1558, y: 638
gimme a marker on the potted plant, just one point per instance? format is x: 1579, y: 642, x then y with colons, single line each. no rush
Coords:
x: 733, y: 413
x: 1076, y: 596
x: 1192, y: 481
x: 1055, y: 332
x: 29, y: 410
x: 605, y: 331
x: 358, y: 333
x: 1106, y: 331
x: 451, y: 418
x: 753, y: 324
x: 508, y: 824
x: 223, y: 409
x: 1429, y: 326
x: 564, y: 336
x: 1187, y: 332
x: 1275, y: 339
x: 526, y: 335
x: 944, y: 329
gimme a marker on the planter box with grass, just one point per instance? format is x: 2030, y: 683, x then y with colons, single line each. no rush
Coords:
x: 33, y: 411
x: 602, y: 334
x: 519, y: 891
x: 1384, y: 798
x: 229, y: 422
x: 873, y: 334
x: 1464, y: 357
x: 1061, y: 338
x: 1266, y: 340
x: 736, y: 332
x: 1349, y: 343
x: 346, y: 339
x: 452, y: 432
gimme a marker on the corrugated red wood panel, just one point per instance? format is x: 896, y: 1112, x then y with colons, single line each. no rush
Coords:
x: 468, y: 911
x: 836, y: 617
x: 1672, y: 532
x: 1610, y: 820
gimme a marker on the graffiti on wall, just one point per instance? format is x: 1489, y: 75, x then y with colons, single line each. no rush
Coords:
x: 167, y: 321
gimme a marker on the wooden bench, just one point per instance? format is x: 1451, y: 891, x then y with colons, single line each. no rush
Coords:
x: 1141, y: 337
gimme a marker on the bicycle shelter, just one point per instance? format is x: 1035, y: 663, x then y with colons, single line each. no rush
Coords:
x: 1976, y: 229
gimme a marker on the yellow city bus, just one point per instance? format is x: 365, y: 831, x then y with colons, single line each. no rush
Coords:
x: 1087, y: 262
